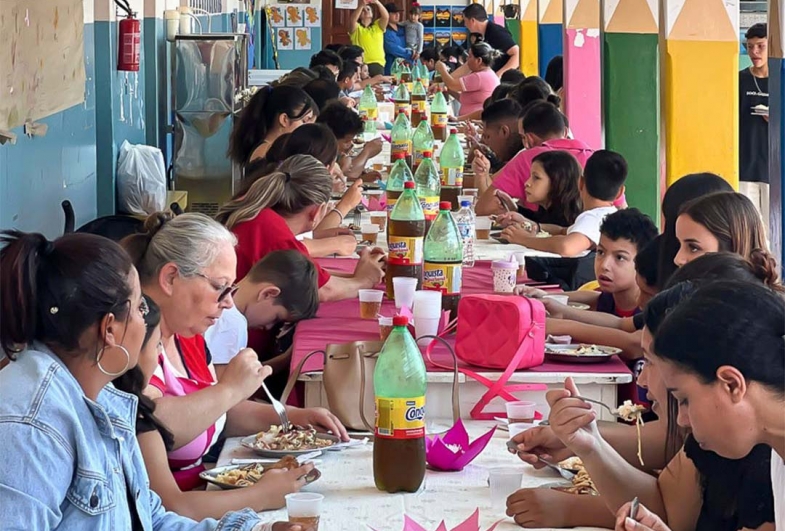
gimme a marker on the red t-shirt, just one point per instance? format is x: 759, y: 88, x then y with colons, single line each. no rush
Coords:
x: 265, y: 233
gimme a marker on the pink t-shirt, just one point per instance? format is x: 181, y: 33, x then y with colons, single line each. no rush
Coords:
x: 477, y: 87
x: 513, y: 177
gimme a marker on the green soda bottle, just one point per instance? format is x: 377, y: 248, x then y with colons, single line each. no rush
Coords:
x: 399, y: 174
x: 439, y: 117
x: 399, y: 384
x: 369, y: 110
x: 422, y: 141
x: 424, y: 76
x: 406, y: 77
x: 402, y: 100
x: 451, y: 161
x: 405, y: 235
x: 401, y: 137
x: 419, y: 102
x: 443, y: 253
x: 428, y: 188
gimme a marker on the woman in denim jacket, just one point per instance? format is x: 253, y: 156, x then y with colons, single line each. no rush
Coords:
x: 73, y: 320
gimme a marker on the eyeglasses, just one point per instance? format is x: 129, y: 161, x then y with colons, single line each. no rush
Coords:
x: 223, y: 290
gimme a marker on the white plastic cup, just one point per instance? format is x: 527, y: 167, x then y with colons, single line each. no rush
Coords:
x: 370, y: 233
x: 484, y: 222
x: 404, y: 289
x: 172, y: 18
x: 304, y: 508
x: 186, y: 21
x: 425, y: 326
x: 521, y: 411
x: 503, y: 482
x: 427, y: 304
x: 471, y: 191
x: 505, y: 275
x: 561, y: 299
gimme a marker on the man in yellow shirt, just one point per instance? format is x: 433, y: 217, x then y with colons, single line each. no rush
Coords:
x: 368, y: 34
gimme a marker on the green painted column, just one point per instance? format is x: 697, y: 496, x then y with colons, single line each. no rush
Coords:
x: 514, y: 27
x: 631, y: 100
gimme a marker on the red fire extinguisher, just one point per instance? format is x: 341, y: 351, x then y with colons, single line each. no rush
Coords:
x: 128, y: 51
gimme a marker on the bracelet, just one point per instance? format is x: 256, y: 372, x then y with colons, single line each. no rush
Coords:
x: 337, y: 212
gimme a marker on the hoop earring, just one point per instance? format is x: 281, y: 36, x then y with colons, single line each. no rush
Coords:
x: 114, y: 374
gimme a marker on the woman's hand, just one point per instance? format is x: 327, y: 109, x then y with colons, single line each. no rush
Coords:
x: 510, y: 218
x: 572, y: 420
x: 539, y: 442
x: 345, y: 245
x: 480, y: 164
x: 277, y: 483
x: 373, y: 147
x: 539, y: 507
x: 644, y: 520
x: 352, y: 197
x: 244, y: 374
x: 516, y: 234
x: 554, y: 308
x: 332, y: 233
x: 532, y: 293
x: 319, y: 418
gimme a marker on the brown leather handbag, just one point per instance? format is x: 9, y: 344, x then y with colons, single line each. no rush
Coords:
x: 347, y: 378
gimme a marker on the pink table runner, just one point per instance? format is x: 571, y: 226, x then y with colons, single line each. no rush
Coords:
x: 339, y: 322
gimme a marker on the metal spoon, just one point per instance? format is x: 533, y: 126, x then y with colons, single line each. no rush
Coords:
x: 563, y: 472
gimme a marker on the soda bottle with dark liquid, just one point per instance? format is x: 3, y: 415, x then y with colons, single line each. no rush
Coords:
x: 428, y: 188
x: 419, y: 103
x: 439, y: 117
x: 443, y: 252
x: 399, y: 174
x: 399, y: 383
x: 402, y: 100
x: 451, y: 161
x: 405, y: 235
x: 401, y: 137
x: 422, y: 141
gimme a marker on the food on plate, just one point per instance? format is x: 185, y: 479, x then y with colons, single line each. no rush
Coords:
x: 298, y: 438
x: 247, y: 475
x: 581, y: 483
x: 633, y: 413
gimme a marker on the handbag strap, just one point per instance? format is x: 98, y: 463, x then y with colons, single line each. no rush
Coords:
x: 295, y: 374
x: 456, y: 398
x: 370, y: 427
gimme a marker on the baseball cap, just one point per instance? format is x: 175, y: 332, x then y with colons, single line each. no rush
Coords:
x: 391, y: 7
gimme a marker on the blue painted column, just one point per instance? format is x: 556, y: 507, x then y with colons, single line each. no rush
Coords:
x: 550, y: 32
x: 776, y: 121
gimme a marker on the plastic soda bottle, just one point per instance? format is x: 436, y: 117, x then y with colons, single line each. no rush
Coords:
x: 428, y: 188
x: 399, y: 383
x: 451, y: 160
x: 369, y: 110
x: 443, y: 252
x: 402, y: 100
x: 439, y: 117
x: 405, y: 237
x: 466, y: 222
x: 399, y: 174
x: 422, y: 141
x: 401, y: 137
x: 419, y: 103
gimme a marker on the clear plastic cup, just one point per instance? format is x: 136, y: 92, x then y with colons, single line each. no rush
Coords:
x: 404, y: 289
x: 483, y: 227
x: 370, y: 303
x: 521, y: 411
x: 385, y: 327
x: 503, y: 482
x: 519, y: 427
x: 370, y: 233
x: 379, y: 218
x: 304, y: 508
x: 561, y: 299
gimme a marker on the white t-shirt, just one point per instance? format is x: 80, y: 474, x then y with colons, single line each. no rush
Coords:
x: 228, y: 336
x: 588, y: 223
x: 778, y: 486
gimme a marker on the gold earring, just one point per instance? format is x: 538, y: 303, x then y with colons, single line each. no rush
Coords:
x: 113, y: 374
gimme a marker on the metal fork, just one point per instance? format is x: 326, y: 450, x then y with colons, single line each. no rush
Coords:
x: 563, y: 472
x: 612, y: 411
x: 279, y: 408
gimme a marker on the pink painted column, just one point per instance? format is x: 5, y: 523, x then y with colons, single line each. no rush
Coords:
x: 583, y: 70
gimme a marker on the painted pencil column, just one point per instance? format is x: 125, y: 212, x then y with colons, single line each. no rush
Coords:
x: 776, y: 121
x: 549, y: 32
x: 528, y: 43
x: 631, y: 97
x: 701, y: 88
x: 583, y: 70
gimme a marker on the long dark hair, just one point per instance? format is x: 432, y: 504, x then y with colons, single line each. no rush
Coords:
x: 564, y: 172
x: 682, y: 191
x: 133, y: 382
x: 53, y: 292
x: 260, y: 116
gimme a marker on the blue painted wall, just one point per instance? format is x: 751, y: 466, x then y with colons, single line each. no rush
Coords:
x: 551, y: 44
x: 37, y: 174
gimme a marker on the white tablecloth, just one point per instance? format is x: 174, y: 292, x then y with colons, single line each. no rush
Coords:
x: 352, y: 502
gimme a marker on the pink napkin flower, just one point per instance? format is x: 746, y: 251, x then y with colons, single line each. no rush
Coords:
x: 471, y: 524
x: 453, y: 451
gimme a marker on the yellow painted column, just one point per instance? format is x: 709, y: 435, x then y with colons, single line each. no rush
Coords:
x: 529, y: 46
x: 700, y: 85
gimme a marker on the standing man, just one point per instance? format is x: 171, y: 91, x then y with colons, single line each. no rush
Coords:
x: 395, y: 39
x: 754, y: 122
x: 476, y: 21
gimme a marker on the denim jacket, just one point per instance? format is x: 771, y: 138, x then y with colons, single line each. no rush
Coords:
x: 69, y: 463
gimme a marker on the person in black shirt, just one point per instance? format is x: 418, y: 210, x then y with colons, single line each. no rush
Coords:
x: 476, y: 21
x: 754, y: 122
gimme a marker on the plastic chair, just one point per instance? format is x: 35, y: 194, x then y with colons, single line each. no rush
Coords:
x: 590, y: 286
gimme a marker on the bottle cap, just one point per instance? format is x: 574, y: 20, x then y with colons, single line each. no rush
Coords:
x: 453, y: 131
x: 400, y: 320
x: 427, y: 154
x: 466, y: 203
x: 408, y: 185
x: 399, y: 155
x: 445, y: 205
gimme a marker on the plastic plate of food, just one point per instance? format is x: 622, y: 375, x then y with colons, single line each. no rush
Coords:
x: 579, y: 353
x: 241, y: 476
x: 299, y: 441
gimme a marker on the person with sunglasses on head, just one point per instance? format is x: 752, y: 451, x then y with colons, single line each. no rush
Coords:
x: 187, y: 265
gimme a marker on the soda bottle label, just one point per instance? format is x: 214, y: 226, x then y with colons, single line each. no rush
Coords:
x: 404, y: 147
x: 405, y: 250
x: 446, y: 278
x: 438, y: 119
x: 452, y: 176
x: 409, y: 86
x: 418, y: 105
x: 430, y: 206
x: 418, y: 156
x: 390, y: 204
x: 370, y: 114
x: 403, y: 106
x: 400, y: 418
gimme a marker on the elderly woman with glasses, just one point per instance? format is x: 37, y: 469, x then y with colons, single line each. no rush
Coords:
x: 187, y: 266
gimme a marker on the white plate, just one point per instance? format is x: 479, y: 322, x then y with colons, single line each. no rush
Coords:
x: 248, y: 443
x: 211, y: 476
